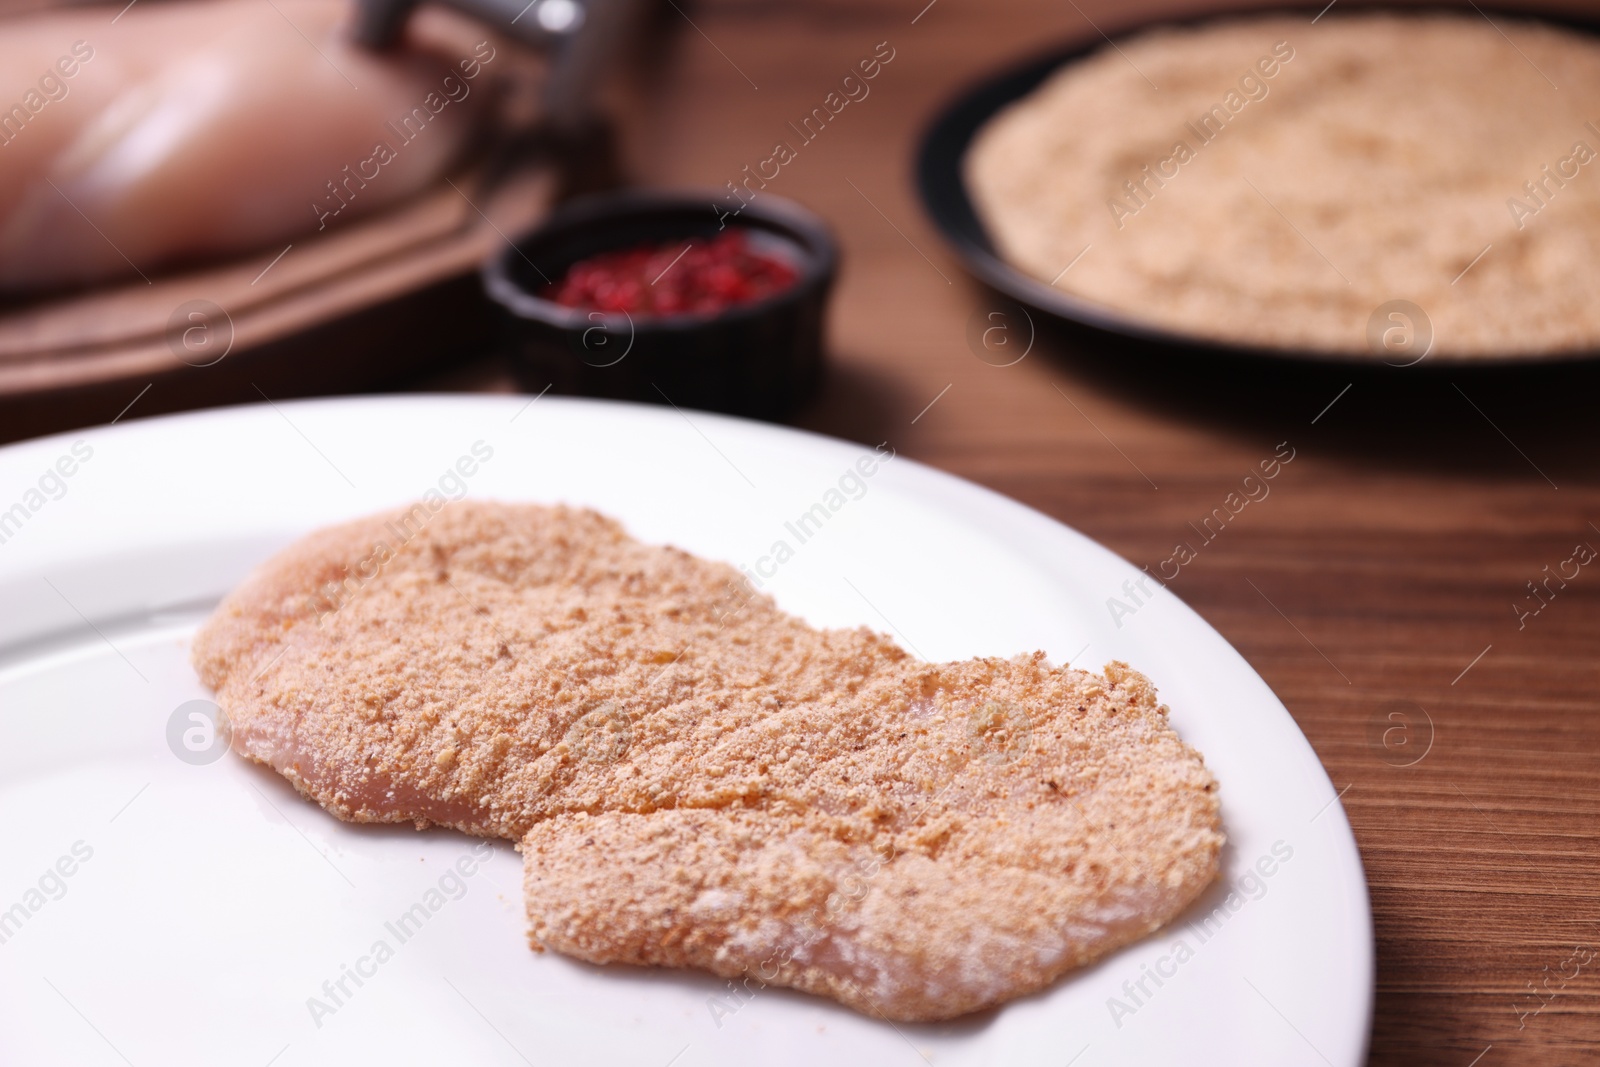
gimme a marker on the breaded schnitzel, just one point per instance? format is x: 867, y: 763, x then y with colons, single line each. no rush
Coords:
x: 700, y: 780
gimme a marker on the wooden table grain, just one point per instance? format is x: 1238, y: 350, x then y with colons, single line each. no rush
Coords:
x: 1379, y: 589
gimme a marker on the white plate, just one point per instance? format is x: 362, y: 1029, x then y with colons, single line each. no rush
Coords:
x: 207, y: 904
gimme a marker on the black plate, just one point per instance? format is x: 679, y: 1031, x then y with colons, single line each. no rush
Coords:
x: 944, y: 198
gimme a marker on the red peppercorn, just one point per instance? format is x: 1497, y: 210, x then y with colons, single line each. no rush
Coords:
x: 697, y: 276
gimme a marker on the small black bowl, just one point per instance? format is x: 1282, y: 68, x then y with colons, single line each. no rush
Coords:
x: 762, y: 359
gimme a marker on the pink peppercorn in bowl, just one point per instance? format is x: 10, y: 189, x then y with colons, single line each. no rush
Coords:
x: 661, y: 297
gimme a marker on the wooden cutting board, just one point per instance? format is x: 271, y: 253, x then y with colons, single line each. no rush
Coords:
x: 329, y: 312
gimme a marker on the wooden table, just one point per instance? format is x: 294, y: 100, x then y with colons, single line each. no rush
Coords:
x: 1381, y: 577
x: 1378, y: 577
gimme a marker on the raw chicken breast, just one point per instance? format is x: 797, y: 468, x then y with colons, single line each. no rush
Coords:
x: 187, y: 130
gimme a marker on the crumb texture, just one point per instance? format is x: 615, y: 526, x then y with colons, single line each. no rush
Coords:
x: 700, y: 780
x: 1377, y: 162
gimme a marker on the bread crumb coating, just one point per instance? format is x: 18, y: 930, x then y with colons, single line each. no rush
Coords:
x: 697, y: 779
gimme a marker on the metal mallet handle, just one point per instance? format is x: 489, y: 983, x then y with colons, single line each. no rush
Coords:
x: 380, y: 23
x: 581, y: 37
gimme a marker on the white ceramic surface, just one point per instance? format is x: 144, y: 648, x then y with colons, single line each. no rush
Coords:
x: 207, y: 905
